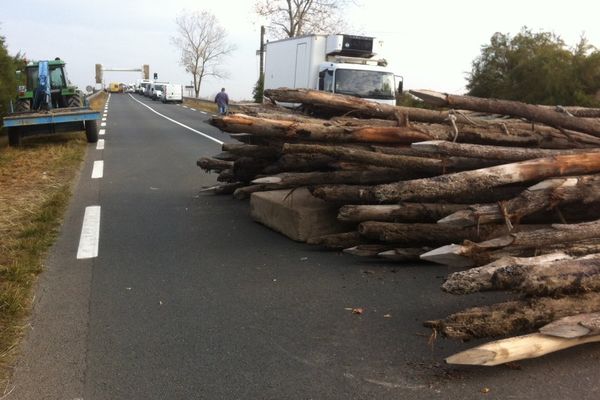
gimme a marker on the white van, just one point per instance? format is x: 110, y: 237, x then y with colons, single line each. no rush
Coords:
x: 172, y: 92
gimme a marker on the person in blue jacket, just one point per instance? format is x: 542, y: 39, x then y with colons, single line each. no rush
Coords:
x: 222, y: 101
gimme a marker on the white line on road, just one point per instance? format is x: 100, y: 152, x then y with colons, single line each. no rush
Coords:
x: 177, y: 122
x: 185, y: 107
x: 104, y: 119
x: 90, y: 233
x: 101, y: 132
x: 103, y: 124
x: 100, y: 144
x: 105, y: 114
x: 98, y: 170
x: 193, y: 109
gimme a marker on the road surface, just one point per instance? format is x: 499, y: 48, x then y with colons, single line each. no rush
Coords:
x: 170, y: 293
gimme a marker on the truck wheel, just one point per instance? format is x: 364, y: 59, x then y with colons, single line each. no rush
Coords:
x: 23, y: 105
x: 15, y: 139
x: 74, y: 101
x: 91, y: 131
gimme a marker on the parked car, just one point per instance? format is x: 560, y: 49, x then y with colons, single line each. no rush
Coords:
x: 157, y: 91
x: 172, y: 92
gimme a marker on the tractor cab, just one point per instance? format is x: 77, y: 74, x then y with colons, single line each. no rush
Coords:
x: 49, y: 90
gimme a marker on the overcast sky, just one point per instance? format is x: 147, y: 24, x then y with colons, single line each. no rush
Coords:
x: 430, y: 42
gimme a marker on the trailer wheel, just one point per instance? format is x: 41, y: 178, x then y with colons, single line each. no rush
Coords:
x: 15, y: 138
x: 74, y: 101
x: 91, y: 131
x: 23, y: 105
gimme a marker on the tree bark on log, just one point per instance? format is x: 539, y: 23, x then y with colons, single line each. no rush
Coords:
x: 462, y: 255
x: 502, y: 153
x: 212, y: 164
x: 300, y: 163
x: 403, y: 212
x: 483, y: 179
x: 362, y: 177
x: 513, y: 317
x: 254, y: 151
x: 480, y: 279
x: 513, y: 108
x: 426, y: 166
x: 562, y: 277
x: 226, y: 176
x: 246, y: 169
x: 419, y: 233
x: 322, y: 132
x: 542, y: 196
x: 338, y: 241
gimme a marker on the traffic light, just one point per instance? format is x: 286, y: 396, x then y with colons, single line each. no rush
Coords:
x: 155, y: 75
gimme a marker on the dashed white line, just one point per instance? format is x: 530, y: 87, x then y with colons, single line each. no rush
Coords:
x: 193, y: 109
x: 100, y: 144
x: 104, y: 119
x: 101, y: 132
x: 185, y: 106
x: 90, y: 233
x: 105, y: 115
x: 103, y: 124
x: 98, y: 170
x: 203, y: 112
x: 178, y: 123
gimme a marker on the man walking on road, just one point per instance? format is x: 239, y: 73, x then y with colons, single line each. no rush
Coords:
x: 222, y: 101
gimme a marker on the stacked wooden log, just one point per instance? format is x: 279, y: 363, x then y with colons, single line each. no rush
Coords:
x: 509, y: 192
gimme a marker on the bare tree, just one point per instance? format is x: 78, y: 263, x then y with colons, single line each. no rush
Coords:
x: 203, y: 45
x: 290, y: 18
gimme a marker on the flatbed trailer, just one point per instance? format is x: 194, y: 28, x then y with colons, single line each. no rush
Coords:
x: 29, y: 123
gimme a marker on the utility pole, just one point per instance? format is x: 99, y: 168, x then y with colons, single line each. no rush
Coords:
x: 262, y: 50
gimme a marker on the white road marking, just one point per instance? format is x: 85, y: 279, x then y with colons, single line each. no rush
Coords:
x: 98, y: 170
x: 177, y: 122
x: 105, y: 115
x: 100, y: 144
x: 203, y: 112
x: 90, y: 233
x: 185, y: 106
x: 101, y: 132
x: 193, y: 109
x: 103, y: 124
x: 104, y: 119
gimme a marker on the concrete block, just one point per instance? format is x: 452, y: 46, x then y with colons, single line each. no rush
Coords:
x: 296, y: 213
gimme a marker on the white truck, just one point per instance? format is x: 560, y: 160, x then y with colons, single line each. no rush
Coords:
x: 343, y: 64
x: 172, y: 92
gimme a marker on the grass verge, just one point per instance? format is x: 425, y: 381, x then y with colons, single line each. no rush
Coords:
x: 35, y: 187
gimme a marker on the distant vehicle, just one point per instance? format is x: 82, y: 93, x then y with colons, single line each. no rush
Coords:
x: 172, y: 92
x: 141, y: 85
x: 129, y: 89
x: 152, y: 90
x: 114, y: 87
x: 344, y: 64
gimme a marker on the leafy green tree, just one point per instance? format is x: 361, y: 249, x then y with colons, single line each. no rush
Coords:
x: 536, y: 68
x: 259, y: 87
x: 8, y: 78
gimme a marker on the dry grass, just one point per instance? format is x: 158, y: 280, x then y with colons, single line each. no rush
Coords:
x: 35, y: 187
x: 203, y: 105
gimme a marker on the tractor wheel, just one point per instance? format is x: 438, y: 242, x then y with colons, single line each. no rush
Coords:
x: 74, y: 101
x: 23, y: 105
x: 91, y: 131
x: 15, y: 139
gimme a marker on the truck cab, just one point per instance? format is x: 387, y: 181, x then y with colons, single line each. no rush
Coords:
x: 373, y: 83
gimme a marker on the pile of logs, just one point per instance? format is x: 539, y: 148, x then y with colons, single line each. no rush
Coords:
x: 505, y: 193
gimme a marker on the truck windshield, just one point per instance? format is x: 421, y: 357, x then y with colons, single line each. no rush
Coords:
x: 367, y: 84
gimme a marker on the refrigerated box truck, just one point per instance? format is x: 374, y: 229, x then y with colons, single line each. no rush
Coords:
x: 343, y: 64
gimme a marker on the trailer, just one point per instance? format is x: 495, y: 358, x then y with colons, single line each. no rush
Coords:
x: 29, y: 123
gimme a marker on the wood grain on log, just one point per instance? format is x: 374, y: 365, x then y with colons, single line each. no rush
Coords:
x: 403, y: 212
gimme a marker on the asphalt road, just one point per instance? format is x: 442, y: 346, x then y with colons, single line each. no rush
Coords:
x: 190, y: 299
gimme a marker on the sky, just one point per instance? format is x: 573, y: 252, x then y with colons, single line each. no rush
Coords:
x: 431, y: 43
